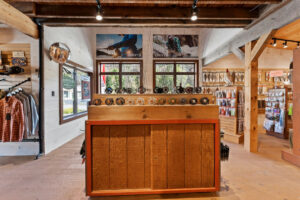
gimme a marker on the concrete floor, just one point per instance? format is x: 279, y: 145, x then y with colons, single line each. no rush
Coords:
x: 60, y: 176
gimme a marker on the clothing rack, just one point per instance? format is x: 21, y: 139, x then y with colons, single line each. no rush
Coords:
x: 28, y: 79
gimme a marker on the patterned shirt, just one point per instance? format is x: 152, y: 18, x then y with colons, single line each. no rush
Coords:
x: 11, y: 120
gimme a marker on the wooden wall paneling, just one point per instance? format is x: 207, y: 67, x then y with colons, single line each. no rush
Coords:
x: 136, y: 156
x: 100, y: 156
x: 176, y: 156
x: 193, y: 155
x: 118, y: 157
x: 208, y: 154
x: 147, y: 156
x: 158, y: 156
x: 153, y: 112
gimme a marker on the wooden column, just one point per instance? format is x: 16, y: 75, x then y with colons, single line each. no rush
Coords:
x: 293, y: 156
x: 251, y: 84
x: 296, y: 103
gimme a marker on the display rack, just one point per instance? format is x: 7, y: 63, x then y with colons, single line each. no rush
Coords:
x: 231, y: 110
x: 276, y: 113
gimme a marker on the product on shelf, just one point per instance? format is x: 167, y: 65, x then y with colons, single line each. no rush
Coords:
x: 275, y: 112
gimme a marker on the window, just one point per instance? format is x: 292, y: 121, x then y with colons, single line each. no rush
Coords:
x: 170, y: 74
x: 120, y: 75
x: 75, y: 93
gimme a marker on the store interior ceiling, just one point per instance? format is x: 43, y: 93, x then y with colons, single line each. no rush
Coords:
x: 170, y: 13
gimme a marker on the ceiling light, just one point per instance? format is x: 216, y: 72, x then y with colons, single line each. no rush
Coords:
x: 274, y: 43
x: 99, y: 16
x: 285, y: 45
x: 194, y: 16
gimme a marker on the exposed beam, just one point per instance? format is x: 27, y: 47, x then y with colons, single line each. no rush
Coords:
x: 145, y: 22
x: 283, y: 16
x: 16, y: 19
x: 155, y: 2
x: 261, y: 44
x: 238, y: 53
x: 117, y: 12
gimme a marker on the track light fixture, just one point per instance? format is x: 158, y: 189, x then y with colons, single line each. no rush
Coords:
x: 285, y: 44
x: 99, y: 16
x: 194, y: 11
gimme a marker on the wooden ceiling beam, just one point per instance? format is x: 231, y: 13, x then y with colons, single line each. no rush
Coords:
x: 154, y: 2
x: 146, y: 23
x: 77, y: 11
x: 16, y: 19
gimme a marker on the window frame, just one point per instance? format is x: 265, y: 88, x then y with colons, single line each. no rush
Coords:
x: 119, y: 73
x: 75, y: 116
x: 174, y: 73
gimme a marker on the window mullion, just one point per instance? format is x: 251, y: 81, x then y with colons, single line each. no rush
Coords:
x: 75, y: 93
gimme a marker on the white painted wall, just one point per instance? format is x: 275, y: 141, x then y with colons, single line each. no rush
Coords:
x: 147, y: 44
x: 79, y: 41
x: 271, y: 58
x: 10, y: 35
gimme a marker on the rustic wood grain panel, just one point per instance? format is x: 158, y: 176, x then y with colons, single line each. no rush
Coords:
x: 136, y: 156
x: 100, y: 154
x: 147, y: 156
x: 207, y: 155
x: 148, y: 112
x: 193, y: 155
x: 175, y: 156
x: 158, y: 156
x: 118, y: 157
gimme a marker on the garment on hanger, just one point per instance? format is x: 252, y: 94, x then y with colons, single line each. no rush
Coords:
x: 11, y: 119
x: 26, y: 111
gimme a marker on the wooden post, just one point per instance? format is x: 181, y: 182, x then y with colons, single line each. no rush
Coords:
x: 251, y: 84
x: 16, y: 19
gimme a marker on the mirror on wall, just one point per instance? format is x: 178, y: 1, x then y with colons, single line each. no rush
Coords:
x: 59, y: 52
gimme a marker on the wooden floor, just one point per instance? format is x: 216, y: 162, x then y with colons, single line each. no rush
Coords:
x: 60, y: 175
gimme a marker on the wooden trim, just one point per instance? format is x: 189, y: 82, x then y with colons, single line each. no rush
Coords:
x: 90, y: 123
x: 120, y: 73
x: 63, y: 120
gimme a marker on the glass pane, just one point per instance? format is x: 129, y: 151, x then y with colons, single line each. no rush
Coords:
x: 83, y: 91
x: 131, y: 67
x: 186, y: 67
x: 164, y: 81
x: 109, y: 81
x: 109, y: 67
x: 185, y: 80
x: 164, y: 67
x: 68, y: 91
x: 131, y: 81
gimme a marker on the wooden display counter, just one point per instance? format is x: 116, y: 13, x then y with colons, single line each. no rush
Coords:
x: 146, y: 149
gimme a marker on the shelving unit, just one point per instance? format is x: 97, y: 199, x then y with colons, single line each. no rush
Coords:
x: 276, y: 113
x: 231, y: 110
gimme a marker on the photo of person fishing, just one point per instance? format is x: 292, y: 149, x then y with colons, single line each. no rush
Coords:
x: 119, y: 46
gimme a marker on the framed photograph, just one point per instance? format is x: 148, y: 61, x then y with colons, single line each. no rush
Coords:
x: 119, y: 46
x: 85, y: 89
x: 175, y: 46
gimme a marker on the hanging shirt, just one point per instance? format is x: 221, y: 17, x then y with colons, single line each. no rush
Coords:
x: 26, y: 109
x: 11, y: 120
x: 28, y: 114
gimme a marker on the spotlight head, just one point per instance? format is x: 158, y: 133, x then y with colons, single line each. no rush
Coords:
x: 194, y: 16
x: 285, y: 45
x: 274, y: 43
x: 99, y: 16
